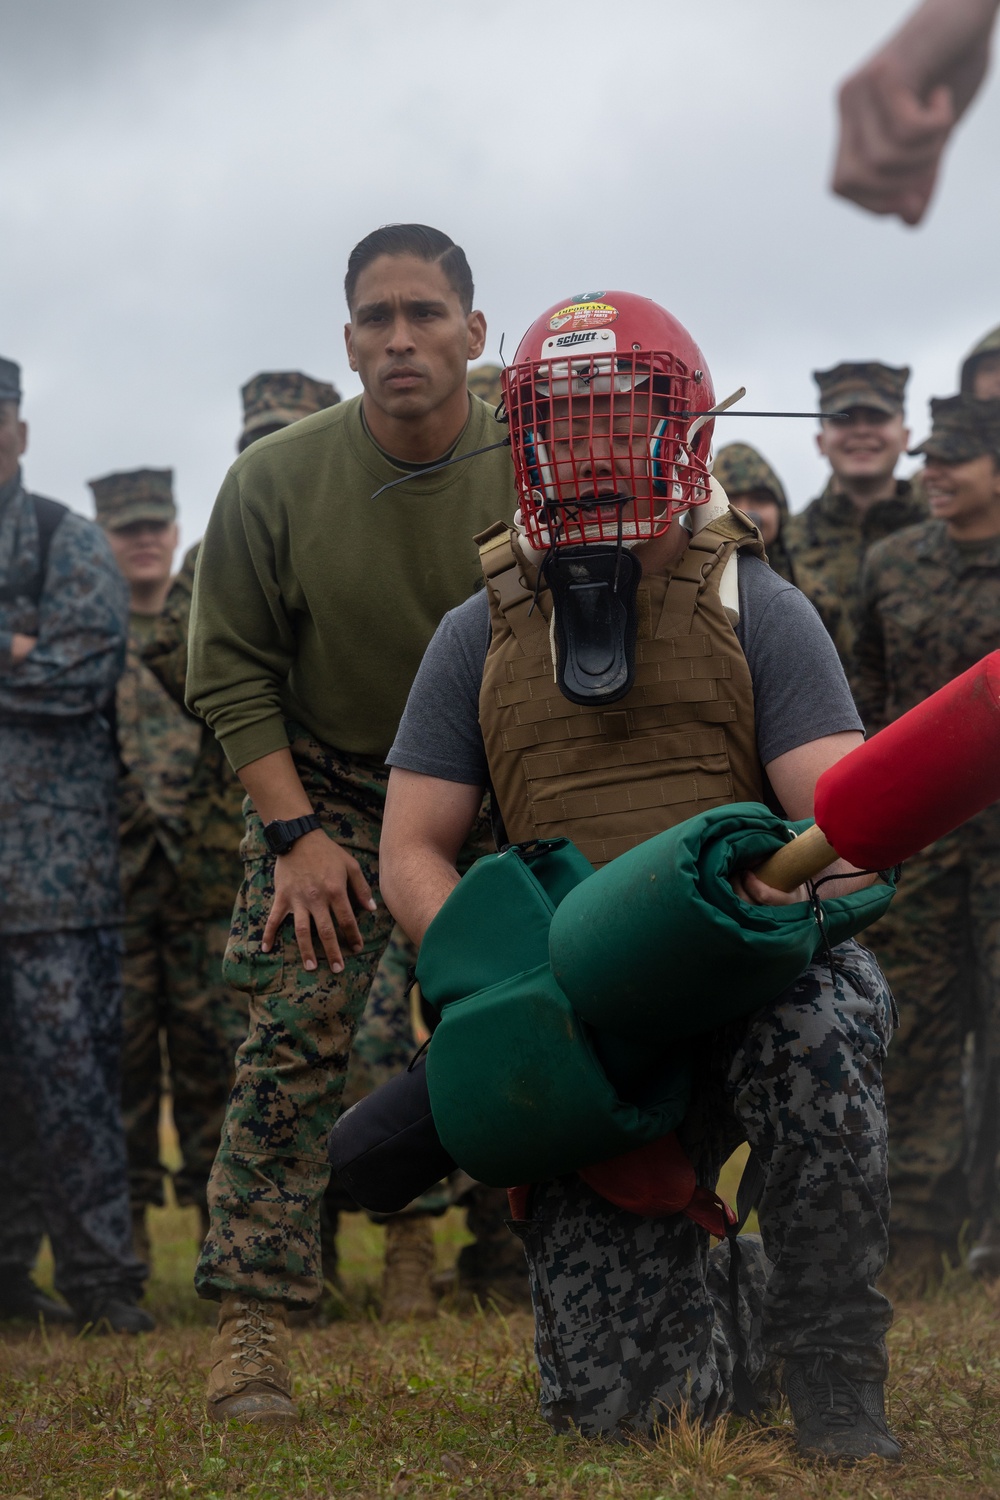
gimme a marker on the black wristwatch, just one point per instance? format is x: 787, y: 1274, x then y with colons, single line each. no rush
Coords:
x: 280, y: 836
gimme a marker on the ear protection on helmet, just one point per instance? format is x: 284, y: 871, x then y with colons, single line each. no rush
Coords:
x: 656, y: 449
x: 531, y: 459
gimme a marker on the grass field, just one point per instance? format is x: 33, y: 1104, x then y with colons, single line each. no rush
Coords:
x: 447, y: 1409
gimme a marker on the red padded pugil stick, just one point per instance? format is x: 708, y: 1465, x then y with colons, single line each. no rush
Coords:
x: 927, y: 773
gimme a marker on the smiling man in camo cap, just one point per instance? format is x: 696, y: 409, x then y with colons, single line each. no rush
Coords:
x: 863, y: 501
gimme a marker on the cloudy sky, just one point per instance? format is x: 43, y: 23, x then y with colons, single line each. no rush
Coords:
x: 182, y: 181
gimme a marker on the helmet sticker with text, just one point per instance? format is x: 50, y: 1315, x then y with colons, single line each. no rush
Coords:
x: 583, y: 315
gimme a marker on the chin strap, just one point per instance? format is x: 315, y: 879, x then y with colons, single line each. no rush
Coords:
x: 594, y: 621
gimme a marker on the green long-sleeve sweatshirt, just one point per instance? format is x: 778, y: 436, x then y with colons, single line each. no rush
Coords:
x: 314, y: 602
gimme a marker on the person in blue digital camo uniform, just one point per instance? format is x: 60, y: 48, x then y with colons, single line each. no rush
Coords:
x: 63, y: 621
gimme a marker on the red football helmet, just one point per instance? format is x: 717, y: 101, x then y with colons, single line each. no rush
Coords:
x: 602, y: 400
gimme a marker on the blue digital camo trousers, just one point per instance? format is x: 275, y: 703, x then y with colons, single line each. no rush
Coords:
x: 632, y: 1316
x: 62, y: 1166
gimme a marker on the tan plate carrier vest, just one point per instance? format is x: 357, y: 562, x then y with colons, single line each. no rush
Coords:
x: 681, y: 741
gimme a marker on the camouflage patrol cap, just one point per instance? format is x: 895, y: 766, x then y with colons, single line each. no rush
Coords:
x: 867, y: 383
x: 484, y: 382
x: 10, y: 380
x: 134, y: 495
x: 962, y: 428
x: 276, y: 398
x: 990, y: 344
x: 740, y: 469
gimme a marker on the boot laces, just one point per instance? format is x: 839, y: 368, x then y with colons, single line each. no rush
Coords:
x: 254, y: 1331
x: 838, y: 1397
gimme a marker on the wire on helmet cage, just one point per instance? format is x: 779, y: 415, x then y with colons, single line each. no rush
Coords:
x: 600, y: 452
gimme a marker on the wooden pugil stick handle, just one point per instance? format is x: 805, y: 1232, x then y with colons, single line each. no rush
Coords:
x: 797, y: 861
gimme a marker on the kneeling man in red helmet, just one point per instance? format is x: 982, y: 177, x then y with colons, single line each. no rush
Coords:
x: 631, y: 662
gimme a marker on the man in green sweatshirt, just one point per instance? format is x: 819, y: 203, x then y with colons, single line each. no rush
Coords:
x: 316, y: 593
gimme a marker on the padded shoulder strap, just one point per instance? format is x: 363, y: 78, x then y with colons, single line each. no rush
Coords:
x: 482, y: 539
x: 734, y: 526
x: 509, y: 593
x: 710, y: 546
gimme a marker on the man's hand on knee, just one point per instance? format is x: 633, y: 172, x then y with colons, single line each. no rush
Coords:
x: 318, y: 882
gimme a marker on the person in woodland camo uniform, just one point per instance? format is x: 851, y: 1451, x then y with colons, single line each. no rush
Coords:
x: 207, y: 865
x: 63, y: 620
x: 180, y: 1020
x: 931, y: 608
x: 316, y: 591
x: 211, y: 870
x: 754, y: 488
x: 863, y: 500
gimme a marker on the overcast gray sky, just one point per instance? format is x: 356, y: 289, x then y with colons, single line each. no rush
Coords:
x: 182, y: 181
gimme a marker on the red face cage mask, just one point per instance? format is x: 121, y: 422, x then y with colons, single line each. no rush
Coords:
x: 602, y: 400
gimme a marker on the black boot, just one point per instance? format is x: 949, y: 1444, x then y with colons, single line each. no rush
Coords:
x: 493, y: 1267
x: 836, y: 1417
x: 112, y: 1310
x: 22, y: 1301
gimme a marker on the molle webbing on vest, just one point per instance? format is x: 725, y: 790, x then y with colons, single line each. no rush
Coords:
x: 683, y: 739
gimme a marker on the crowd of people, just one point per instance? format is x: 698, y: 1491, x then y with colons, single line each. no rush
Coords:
x: 195, y: 775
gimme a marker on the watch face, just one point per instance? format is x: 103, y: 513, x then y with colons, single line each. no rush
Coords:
x: 276, y: 839
x: 281, y: 835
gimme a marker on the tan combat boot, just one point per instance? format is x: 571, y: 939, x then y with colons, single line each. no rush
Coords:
x: 250, y: 1380
x: 409, y: 1262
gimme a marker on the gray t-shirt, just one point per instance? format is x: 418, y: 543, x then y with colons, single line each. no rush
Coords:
x: 799, y: 688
